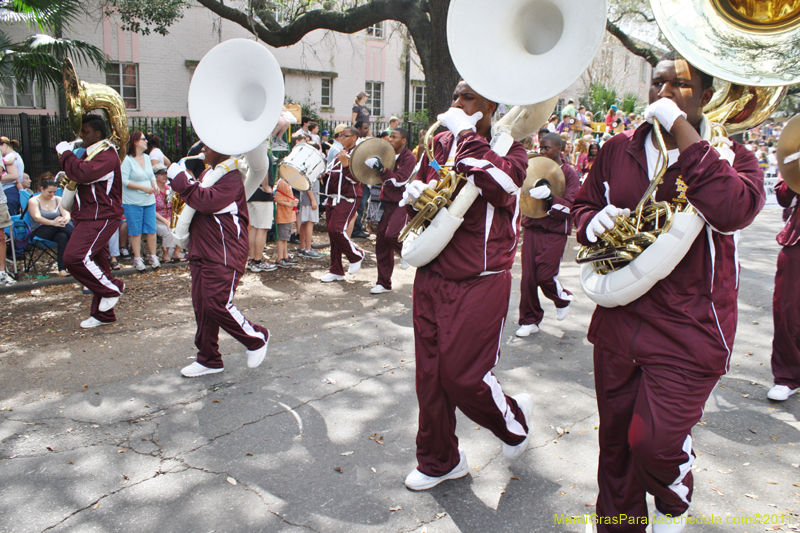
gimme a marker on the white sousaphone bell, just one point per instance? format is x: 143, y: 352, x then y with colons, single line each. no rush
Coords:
x: 529, y: 56
x: 235, y: 101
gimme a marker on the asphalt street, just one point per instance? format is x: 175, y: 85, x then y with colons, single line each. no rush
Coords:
x: 99, y: 432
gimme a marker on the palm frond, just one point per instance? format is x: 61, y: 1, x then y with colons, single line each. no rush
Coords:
x: 77, y: 50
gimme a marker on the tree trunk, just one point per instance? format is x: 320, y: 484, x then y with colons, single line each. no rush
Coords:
x: 441, y: 76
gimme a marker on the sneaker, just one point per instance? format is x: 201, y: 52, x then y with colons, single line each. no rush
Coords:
x: 355, y: 267
x: 6, y: 279
x: 780, y: 393
x: 526, y: 330
x: 196, y: 369
x: 562, y: 312
x: 251, y: 266
x: 361, y: 235
x: 291, y: 259
x: 416, y: 480
x: 669, y: 524
x: 404, y: 264
x: 92, y: 322
x: 283, y: 263
x: 263, y: 266
x: 525, y: 403
x: 379, y: 289
x: 154, y: 262
x: 107, y: 303
x: 138, y: 264
x: 329, y: 277
x: 313, y: 254
x: 124, y: 253
x: 255, y: 357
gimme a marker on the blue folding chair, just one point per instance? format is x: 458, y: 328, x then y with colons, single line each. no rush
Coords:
x: 40, y: 254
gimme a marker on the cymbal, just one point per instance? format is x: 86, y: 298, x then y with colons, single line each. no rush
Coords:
x: 540, y: 167
x: 789, y: 144
x: 373, y: 147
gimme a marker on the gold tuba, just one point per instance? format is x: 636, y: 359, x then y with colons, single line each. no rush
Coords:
x: 82, y: 97
x: 751, y: 46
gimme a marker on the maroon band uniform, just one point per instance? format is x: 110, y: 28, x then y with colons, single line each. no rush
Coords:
x: 461, y: 302
x: 344, y: 194
x: 658, y: 358
x: 96, y: 216
x: 785, y: 311
x: 542, y: 249
x: 218, y: 251
x: 393, y: 220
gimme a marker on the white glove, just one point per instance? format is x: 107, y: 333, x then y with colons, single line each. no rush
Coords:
x: 175, y: 169
x: 665, y: 110
x: 541, y: 192
x: 374, y: 163
x: 62, y: 147
x: 604, y: 220
x: 455, y: 120
x: 414, y: 191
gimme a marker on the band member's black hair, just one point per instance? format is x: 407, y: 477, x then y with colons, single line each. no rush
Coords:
x: 97, y: 123
x: 402, y: 132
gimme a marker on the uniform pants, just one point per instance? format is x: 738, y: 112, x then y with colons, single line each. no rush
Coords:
x: 541, y: 261
x: 786, y: 317
x: 647, y: 413
x: 86, y: 258
x: 213, y: 288
x: 338, y: 217
x: 386, y: 243
x: 458, y: 327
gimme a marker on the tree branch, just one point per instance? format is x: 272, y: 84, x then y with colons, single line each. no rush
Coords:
x: 350, y: 21
x: 630, y: 44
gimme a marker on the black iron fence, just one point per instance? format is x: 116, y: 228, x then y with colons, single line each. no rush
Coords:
x: 39, y: 134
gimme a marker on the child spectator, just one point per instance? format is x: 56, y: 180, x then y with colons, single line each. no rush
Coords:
x: 307, y: 216
x: 284, y: 216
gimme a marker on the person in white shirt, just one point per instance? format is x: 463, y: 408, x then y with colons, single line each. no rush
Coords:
x: 157, y: 157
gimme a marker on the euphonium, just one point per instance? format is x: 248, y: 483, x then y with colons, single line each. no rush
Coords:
x: 82, y: 97
x: 720, y: 38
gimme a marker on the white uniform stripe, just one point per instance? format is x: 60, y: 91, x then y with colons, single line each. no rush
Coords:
x: 677, y: 486
x: 736, y: 236
x: 92, y: 267
x: 722, y: 336
x: 514, y: 220
x: 353, y: 246
x: 713, y: 252
x: 559, y: 207
x: 237, y: 315
x: 487, y: 230
x: 503, y: 179
x: 500, y: 401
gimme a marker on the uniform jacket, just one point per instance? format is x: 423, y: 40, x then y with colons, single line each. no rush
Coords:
x: 99, y: 195
x: 219, y: 228
x: 394, y: 181
x: 558, y: 219
x: 341, y: 182
x: 790, y: 234
x: 689, y: 317
x: 487, y: 239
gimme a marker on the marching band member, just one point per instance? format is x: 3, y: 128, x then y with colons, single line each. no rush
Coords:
x: 393, y: 220
x: 786, y: 342
x: 344, y: 194
x: 461, y: 298
x: 544, y: 243
x: 657, y: 359
x: 218, y: 252
x: 96, y: 216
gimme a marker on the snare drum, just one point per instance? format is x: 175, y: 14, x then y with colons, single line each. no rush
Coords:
x: 302, y: 167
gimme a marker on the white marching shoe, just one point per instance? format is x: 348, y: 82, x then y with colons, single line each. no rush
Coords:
x: 669, y: 524
x: 255, y: 357
x: 379, y: 289
x: 355, y: 267
x: 780, y: 393
x: 416, y: 480
x: 92, y: 322
x: 525, y: 403
x: 562, y: 312
x: 526, y: 330
x: 107, y: 303
x: 329, y: 277
x: 196, y: 369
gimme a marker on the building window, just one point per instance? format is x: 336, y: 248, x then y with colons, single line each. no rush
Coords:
x: 420, y: 102
x: 327, y: 93
x: 375, y: 91
x: 376, y: 31
x: 11, y: 97
x: 124, y: 78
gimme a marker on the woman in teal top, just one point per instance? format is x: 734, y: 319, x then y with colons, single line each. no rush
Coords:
x: 139, y: 201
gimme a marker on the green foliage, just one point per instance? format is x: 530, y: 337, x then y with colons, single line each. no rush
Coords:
x: 631, y: 103
x: 145, y: 16
x: 419, y: 117
x: 600, y: 98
